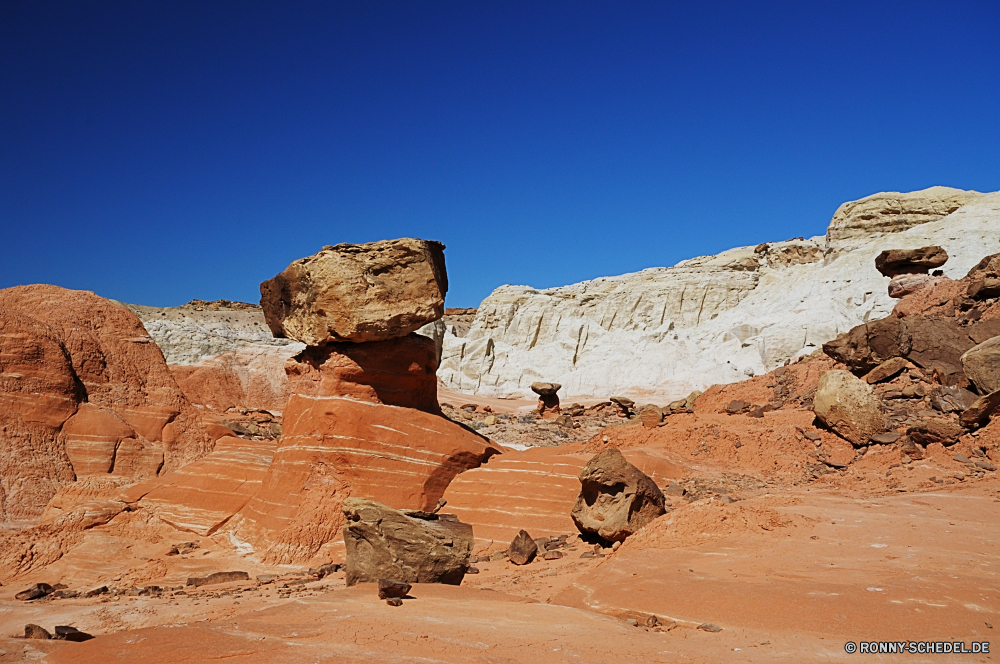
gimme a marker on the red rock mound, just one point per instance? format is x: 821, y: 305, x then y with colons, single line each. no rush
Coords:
x: 84, y: 391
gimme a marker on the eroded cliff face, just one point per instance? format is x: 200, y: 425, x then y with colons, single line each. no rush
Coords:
x: 713, y: 319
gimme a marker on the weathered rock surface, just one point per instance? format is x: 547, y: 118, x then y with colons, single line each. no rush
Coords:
x: 616, y: 498
x: 847, y: 405
x: 365, y: 292
x: 935, y: 344
x: 522, y: 549
x: 893, y: 262
x: 714, y: 319
x: 333, y: 447
x: 981, y: 411
x: 191, y: 333
x: 982, y: 365
x: 886, y: 370
x: 382, y: 543
x: 83, y: 391
x: 396, y: 372
x: 202, y: 496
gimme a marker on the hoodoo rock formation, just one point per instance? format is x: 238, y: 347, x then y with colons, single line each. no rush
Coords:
x: 363, y: 418
x: 371, y: 292
x: 84, y: 391
x: 715, y: 319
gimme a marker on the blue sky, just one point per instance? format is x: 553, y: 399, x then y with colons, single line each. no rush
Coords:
x: 159, y: 152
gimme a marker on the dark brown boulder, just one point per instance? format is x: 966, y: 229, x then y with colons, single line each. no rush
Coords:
x: 932, y: 430
x: 616, y: 498
x: 910, y: 261
x: 391, y: 588
x: 383, y: 543
x: 36, y: 591
x: 36, y: 632
x: 523, y: 549
x: 934, y: 344
x: 984, y: 289
x: 67, y: 633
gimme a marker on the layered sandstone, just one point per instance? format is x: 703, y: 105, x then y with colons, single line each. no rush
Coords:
x: 363, y: 292
x: 664, y: 332
x: 85, y: 392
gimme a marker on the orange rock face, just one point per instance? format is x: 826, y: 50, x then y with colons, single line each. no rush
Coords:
x: 83, y: 391
x: 334, y: 447
x: 205, y: 494
x: 397, y: 372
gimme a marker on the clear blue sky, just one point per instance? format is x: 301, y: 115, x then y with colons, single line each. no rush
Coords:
x: 159, y: 152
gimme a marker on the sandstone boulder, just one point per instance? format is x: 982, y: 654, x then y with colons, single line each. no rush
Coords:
x: 910, y: 261
x: 983, y: 289
x: 651, y: 416
x: 358, y: 292
x: 935, y: 430
x: 32, y: 631
x: 906, y: 284
x: 982, y: 365
x: 36, y: 591
x: 382, y: 543
x: 548, y: 400
x: 848, y: 406
x: 616, y: 498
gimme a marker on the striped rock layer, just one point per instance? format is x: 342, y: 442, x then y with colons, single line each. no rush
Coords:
x: 83, y: 391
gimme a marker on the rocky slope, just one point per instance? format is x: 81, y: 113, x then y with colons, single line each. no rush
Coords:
x: 664, y: 332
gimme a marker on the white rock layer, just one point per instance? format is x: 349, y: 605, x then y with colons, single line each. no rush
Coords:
x: 664, y: 332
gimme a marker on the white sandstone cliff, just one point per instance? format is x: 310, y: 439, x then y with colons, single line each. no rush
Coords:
x: 664, y: 332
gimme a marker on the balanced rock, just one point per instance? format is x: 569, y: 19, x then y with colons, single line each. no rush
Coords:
x: 358, y: 292
x: 624, y: 405
x: 383, y: 543
x: 548, y: 400
x: 522, y: 549
x: 616, y: 498
x: 910, y: 261
x: 982, y: 365
x: 848, y: 405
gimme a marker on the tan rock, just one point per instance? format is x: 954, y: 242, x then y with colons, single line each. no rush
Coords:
x: 848, y: 406
x: 650, y: 416
x: 358, y: 292
x: 383, y: 543
x: 892, y: 212
x: 616, y: 498
x: 982, y: 365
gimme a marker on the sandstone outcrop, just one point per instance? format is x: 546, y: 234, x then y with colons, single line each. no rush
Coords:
x: 84, y: 391
x: 366, y: 292
x: 658, y: 334
x: 335, y: 447
x: 848, y: 406
x: 382, y: 543
x: 616, y: 498
x: 982, y: 365
x: 892, y: 212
